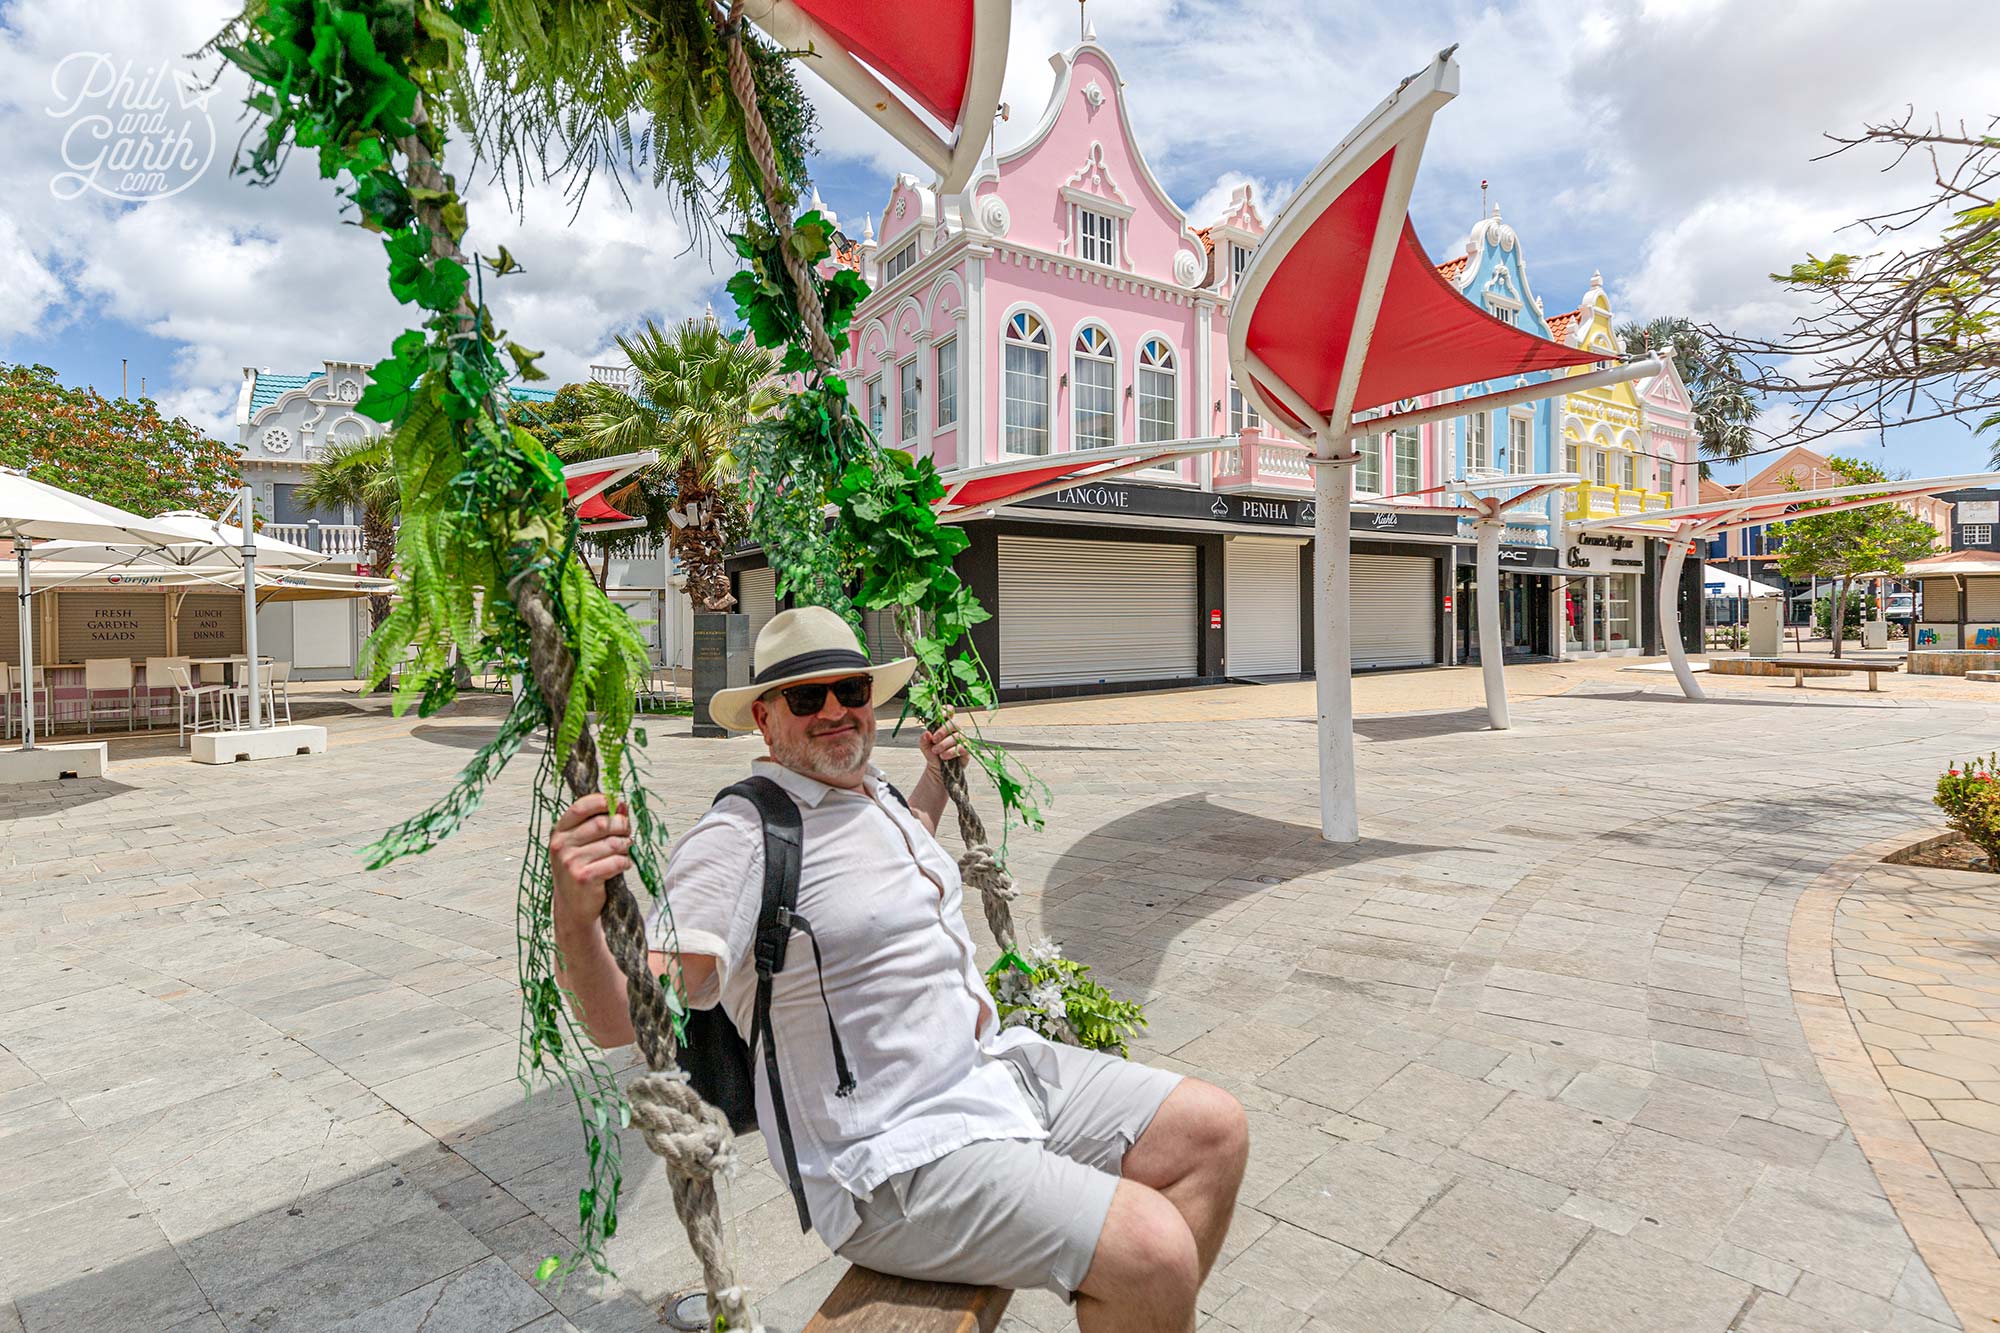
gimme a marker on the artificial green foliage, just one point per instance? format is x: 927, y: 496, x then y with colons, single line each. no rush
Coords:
x: 443, y: 818
x: 768, y: 303
x: 1969, y: 795
x: 482, y: 503
x: 1054, y: 996
x: 901, y: 557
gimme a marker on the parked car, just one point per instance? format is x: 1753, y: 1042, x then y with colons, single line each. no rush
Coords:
x: 1902, y: 606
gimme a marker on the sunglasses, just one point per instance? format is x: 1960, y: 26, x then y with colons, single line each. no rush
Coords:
x: 805, y: 700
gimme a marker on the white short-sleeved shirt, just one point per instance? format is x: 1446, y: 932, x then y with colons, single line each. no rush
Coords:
x: 916, y: 1023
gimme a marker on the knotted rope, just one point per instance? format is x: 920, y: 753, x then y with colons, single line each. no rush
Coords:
x: 980, y: 866
x: 678, y: 1117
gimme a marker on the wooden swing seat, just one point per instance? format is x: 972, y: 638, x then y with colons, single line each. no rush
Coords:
x: 865, y: 1301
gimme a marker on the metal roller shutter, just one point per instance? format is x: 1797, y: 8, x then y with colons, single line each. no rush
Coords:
x: 1982, y: 601
x: 10, y: 629
x: 112, y: 623
x: 1940, y: 599
x: 1260, y: 613
x: 1393, y: 616
x: 757, y: 597
x: 1084, y: 612
x: 884, y: 643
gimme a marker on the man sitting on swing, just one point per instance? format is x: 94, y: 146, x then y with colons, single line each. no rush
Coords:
x: 929, y: 1142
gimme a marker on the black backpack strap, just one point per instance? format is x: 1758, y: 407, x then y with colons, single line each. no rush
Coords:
x: 783, y: 848
x: 901, y: 799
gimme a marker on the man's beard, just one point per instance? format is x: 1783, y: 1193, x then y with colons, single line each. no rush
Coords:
x: 833, y: 756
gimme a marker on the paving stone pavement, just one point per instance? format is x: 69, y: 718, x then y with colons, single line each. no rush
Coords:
x: 1525, y: 1057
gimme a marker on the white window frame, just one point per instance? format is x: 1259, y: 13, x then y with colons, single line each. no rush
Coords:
x: 878, y: 406
x: 1600, y: 466
x: 896, y: 265
x: 1096, y: 237
x: 908, y: 402
x: 1520, y: 443
x: 1368, y: 469
x: 1478, y: 443
x: 1628, y: 471
x: 1242, y: 416
x: 947, y: 382
x: 1406, y: 448
x: 1102, y: 363
x: 1145, y: 393
x: 1239, y: 260
x: 1976, y: 534
x: 1573, y: 457
x: 1037, y: 324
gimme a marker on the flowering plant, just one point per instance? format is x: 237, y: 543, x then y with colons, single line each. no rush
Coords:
x: 1055, y: 996
x: 1970, y: 798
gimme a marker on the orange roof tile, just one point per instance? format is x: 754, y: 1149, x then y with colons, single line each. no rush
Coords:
x: 1207, y: 241
x: 1560, y: 325
x: 1452, y: 269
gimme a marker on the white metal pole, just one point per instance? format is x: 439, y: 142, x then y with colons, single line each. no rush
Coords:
x: 245, y: 516
x: 1490, y: 664
x: 27, y: 640
x: 1333, y: 667
x: 1670, y: 616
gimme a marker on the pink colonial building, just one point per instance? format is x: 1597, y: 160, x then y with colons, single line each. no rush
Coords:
x: 1063, y: 301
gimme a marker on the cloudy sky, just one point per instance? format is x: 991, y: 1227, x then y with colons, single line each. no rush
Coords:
x: 1667, y: 143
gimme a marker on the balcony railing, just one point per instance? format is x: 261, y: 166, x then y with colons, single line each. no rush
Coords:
x: 1257, y: 461
x: 334, y: 539
x: 1593, y: 499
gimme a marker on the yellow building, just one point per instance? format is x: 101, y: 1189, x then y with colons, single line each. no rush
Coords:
x: 1603, y: 430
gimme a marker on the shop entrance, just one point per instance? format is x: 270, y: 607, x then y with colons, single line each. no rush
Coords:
x: 1524, y: 615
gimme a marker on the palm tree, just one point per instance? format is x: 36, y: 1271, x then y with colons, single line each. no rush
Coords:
x: 1723, y: 408
x: 358, y: 475
x: 695, y: 391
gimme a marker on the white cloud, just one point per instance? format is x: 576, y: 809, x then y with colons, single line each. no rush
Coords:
x: 1667, y: 142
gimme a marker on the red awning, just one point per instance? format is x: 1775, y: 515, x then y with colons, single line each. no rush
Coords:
x: 1025, y: 478
x: 1341, y: 277
x: 944, y: 58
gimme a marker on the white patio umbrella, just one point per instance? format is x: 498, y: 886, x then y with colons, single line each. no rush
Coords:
x: 203, y: 544
x: 32, y: 511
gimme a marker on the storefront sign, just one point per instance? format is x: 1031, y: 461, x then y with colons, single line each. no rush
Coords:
x: 1604, y: 552
x: 210, y: 626
x: 1215, y: 618
x: 110, y: 623
x: 1173, y: 502
x: 1514, y: 557
x: 1978, y: 511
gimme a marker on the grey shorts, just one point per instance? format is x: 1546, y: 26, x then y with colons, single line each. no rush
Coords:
x: 1017, y: 1212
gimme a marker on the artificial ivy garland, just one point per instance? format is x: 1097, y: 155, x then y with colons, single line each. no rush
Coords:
x: 486, y: 561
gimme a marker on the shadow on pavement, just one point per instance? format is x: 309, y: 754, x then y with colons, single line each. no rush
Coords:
x: 1418, y: 726
x: 42, y: 798
x: 1160, y: 873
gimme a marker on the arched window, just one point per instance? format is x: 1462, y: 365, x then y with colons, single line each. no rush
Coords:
x: 1093, y: 389
x: 1025, y: 421
x: 1159, y: 404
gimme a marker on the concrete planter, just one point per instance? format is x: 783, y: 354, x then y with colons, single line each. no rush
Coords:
x: 721, y: 661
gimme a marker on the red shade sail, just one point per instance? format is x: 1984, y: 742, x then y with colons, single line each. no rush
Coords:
x: 587, y: 482
x: 942, y: 58
x: 1341, y: 310
x: 926, y: 50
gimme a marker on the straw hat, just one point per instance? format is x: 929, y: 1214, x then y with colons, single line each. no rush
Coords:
x: 805, y: 643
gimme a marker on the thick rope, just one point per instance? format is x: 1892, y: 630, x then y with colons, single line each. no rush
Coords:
x: 777, y: 195
x: 980, y: 865
x: 690, y: 1173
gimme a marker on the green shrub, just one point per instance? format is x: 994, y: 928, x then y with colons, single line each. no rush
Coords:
x: 1970, y: 799
x: 1850, y: 623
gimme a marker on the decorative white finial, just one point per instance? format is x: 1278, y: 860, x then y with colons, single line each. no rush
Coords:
x: 868, y: 230
x: 708, y: 312
x: 1090, y: 32
x: 1596, y: 279
x: 819, y: 206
